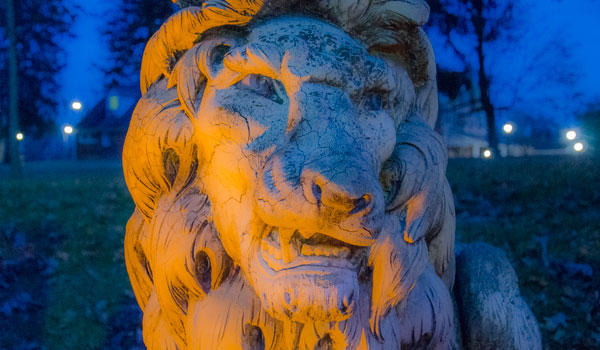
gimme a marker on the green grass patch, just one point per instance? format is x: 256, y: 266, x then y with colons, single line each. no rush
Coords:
x: 545, y: 213
x: 86, y: 206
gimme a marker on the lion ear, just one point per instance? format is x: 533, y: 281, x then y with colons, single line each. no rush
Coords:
x: 179, y: 33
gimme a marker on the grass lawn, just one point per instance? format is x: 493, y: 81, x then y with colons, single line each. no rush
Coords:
x: 61, y: 229
x: 63, y: 283
x: 545, y: 213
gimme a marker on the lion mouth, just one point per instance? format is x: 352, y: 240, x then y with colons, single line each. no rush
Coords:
x: 289, y: 248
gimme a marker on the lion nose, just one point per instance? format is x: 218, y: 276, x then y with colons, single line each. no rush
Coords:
x: 351, y: 201
x: 362, y: 204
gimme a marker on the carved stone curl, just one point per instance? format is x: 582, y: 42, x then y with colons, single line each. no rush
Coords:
x: 290, y: 191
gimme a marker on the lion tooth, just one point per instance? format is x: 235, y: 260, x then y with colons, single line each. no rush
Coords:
x: 335, y: 251
x: 318, y: 251
x: 287, y: 251
x: 307, y: 250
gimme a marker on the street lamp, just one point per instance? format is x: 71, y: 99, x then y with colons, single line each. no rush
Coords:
x: 571, y: 135
x: 487, y: 153
x: 76, y: 105
x: 508, y: 128
x: 68, y: 129
x: 20, y: 136
x: 578, y: 147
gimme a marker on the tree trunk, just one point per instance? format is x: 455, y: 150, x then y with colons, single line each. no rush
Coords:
x: 478, y: 21
x: 13, y: 92
x: 486, y: 103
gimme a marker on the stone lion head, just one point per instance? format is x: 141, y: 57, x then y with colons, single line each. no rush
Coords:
x: 290, y: 191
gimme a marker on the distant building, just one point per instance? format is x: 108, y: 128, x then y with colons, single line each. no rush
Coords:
x: 462, y: 124
x: 101, y: 133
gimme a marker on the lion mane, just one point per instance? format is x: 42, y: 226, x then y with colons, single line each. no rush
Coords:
x: 182, y: 276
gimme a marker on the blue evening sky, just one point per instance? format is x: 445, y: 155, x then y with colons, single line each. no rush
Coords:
x: 577, y: 21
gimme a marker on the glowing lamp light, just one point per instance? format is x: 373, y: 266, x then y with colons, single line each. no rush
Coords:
x: 508, y: 128
x: 578, y: 147
x: 76, y: 105
x: 20, y: 136
x: 68, y: 129
x: 487, y: 153
x: 571, y: 135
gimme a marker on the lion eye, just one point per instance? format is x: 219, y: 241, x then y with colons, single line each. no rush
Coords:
x: 264, y: 86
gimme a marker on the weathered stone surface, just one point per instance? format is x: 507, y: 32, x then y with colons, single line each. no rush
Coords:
x: 491, y: 311
x: 290, y: 191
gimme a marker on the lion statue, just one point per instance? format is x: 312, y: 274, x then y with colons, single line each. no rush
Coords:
x: 290, y: 190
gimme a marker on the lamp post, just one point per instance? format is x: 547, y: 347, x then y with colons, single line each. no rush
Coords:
x: 20, y: 137
x: 67, y: 131
x: 508, y: 129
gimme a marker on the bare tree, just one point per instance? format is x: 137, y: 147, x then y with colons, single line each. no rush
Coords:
x: 132, y: 24
x: 13, y: 91
x: 518, y: 68
x: 483, y: 21
x: 30, y: 43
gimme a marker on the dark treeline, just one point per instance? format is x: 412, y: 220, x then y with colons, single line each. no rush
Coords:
x: 38, y: 26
